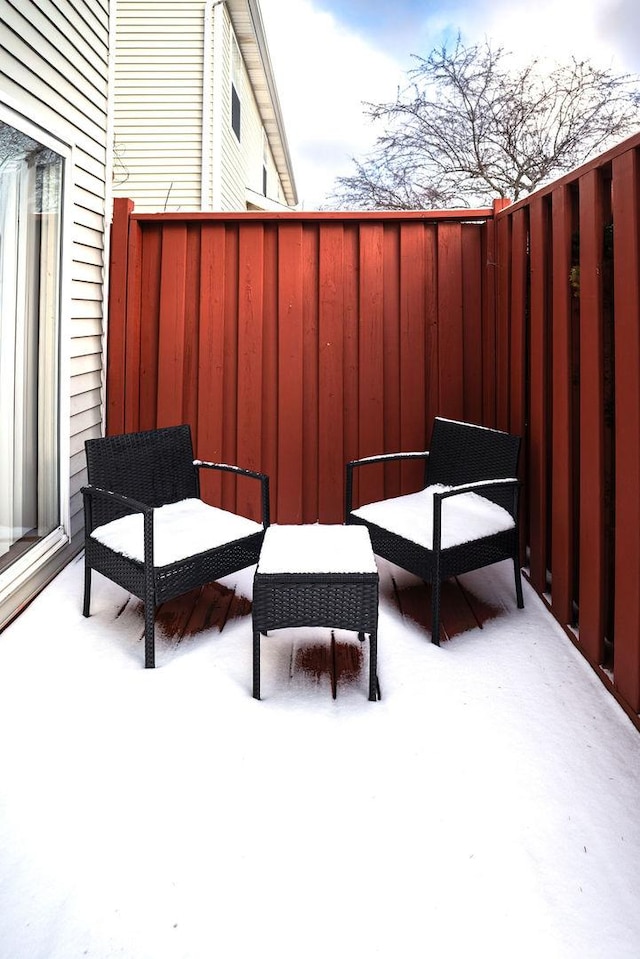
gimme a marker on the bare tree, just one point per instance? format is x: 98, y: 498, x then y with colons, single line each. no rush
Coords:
x: 474, y: 125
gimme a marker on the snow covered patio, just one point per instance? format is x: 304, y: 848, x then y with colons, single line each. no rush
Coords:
x: 487, y: 805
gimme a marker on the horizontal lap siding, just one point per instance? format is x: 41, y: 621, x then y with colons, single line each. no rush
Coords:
x: 158, y: 103
x: 293, y: 344
x: 53, y: 73
x: 54, y: 69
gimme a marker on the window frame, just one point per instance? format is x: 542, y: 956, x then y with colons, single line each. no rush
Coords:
x: 236, y: 80
x: 36, y: 556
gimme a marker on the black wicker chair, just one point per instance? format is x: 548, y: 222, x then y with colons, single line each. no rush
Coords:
x: 146, y: 527
x: 465, y: 518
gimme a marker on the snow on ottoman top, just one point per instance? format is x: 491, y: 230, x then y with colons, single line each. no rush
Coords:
x: 317, y: 548
x: 465, y: 518
x: 180, y: 530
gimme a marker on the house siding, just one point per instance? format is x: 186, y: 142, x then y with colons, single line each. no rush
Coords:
x: 158, y: 103
x: 54, y: 75
x: 163, y: 118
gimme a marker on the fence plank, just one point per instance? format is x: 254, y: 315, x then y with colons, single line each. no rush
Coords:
x: 450, y: 326
x: 518, y: 316
x: 626, y: 203
x: 310, y: 437
x: 149, y: 327
x: 561, y: 488
x: 119, y: 265
x: 503, y: 349
x: 371, y: 360
x: 539, y: 427
x: 432, y: 365
x: 290, y: 374
x: 171, y: 367
x: 489, y: 307
x: 331, y: 372
x: 472, y: 274
x: 269, y: 458
x: 591, y: 588
x: 191, y: 327
x: 250, y: 361
x: 211, y: 360
x: 391, y: 362
x: 350, y: 339
x: 412, y: 350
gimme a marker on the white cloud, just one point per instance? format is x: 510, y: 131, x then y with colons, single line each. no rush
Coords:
x: 551, y: 28
x: 323, y: 73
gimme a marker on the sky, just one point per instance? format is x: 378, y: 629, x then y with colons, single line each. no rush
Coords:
x: 486, y: 806
x: 329, y: 56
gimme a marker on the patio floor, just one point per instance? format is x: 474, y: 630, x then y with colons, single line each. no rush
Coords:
x: 485, y: 806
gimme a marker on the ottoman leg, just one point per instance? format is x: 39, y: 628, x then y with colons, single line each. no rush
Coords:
x: 373, y: 666
x: 256, y: 665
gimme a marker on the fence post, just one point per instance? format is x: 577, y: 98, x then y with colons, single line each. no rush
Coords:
x: 117, y: 315
x: 626, y: 247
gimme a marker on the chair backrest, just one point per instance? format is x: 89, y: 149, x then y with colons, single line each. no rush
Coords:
x: 154, y: 466
x: 465, y: 453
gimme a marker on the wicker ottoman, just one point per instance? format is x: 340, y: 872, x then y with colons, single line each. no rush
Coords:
x: 316, y: 576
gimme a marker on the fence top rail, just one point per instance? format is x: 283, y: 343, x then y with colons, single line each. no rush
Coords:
x: 462, y: 215
x: 602, y: 160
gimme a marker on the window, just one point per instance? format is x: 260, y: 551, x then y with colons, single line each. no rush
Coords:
x: 236, y: 78
x: 30, y: 230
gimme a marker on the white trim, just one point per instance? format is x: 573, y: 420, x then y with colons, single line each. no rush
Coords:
x: 218, y: 106
x: 64, y: 333
x: 24, y: 568
x: 18, y: 572
x: 262, y: 202
x: 211, y: 70
x: 108, y: 206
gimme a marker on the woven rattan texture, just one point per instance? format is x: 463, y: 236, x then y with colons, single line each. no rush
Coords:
x: 341, y: 601
x: 460, y: 454
x: 153, y: 468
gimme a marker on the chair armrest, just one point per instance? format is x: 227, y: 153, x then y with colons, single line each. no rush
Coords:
x: 510, y: 483
x: 479, y: 485
x: 366, y: 461
x: 91, y: 493
x: 252, y: 474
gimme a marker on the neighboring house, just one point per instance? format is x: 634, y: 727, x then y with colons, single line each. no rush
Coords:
x: 197, y: 120
x: 54, y: 167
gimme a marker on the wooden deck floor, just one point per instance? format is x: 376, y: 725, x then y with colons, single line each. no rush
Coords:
x: 215, y: 605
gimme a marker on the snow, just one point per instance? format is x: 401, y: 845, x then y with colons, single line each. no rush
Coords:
x: 465, y: 517
x: 316, y: 549
x: 179, y: 530
x: 487, y: 805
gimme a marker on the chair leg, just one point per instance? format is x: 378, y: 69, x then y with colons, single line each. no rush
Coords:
x: 149, y: 634
x: 87, y: 589
x: 435, y: 612
x: 518, y: 575
x: 256, y: 665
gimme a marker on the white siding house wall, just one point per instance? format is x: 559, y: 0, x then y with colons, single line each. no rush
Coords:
x: 54, y: 72
x: 158, y: 103
x: 172, y: 111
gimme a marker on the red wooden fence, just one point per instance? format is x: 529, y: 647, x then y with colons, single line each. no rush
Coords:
x: 292, y: 343
x: 569, y: 277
